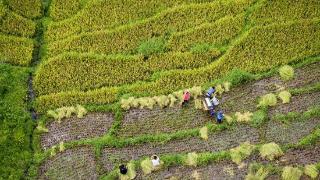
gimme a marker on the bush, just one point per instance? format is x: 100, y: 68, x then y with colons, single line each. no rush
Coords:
x: 286, y: 72
x: 285, y: 96
x: 311, y: 171
x: 270, y: 151
x: 204, y: 133
x: 291, y: 173
x: 15, y: 50
x: 268, y: 100
x: 241, y: 152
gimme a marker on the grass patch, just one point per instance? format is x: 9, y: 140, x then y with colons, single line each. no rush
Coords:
x: 152, y: 46
x: 285, y: 96
x: 241, y: 152
x: 311, y: 171
x: 268, y: 100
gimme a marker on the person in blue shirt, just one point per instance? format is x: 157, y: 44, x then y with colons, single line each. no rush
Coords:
x: 210, y: 91
x: 220, y: 116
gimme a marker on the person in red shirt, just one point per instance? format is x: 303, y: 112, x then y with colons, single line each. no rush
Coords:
x: 186, y: 97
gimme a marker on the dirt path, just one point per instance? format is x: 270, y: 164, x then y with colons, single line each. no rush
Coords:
x: 92, y: 125
x: 77, y: 163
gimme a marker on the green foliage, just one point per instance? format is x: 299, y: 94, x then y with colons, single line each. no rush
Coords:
x: 152, y: 46
x: 311, y: 170
x: 15, y: 123
x: 66, y: 112
x: 268, y: 100
x: 61, y: 146
x: 53, y: 151
x: 27, y: 8
x: 291, y: 173
x: 286, y: 72
x: 81, y: 111
x: 241, y: 152
x: 204, y: 133
x: 200, y: 48
x: 258, y: 118
x: 270, y: 151
x: 16, y: 50
x: 285, y: 96
x: 191, y: 159
x: 62, y: 9
x: 42, y: 128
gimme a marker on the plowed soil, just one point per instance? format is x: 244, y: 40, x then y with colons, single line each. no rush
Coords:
x: 92, y: 125
x: 77, y: 163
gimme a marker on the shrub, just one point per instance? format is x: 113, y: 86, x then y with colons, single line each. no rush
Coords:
x: 285, y: 96
x: 241, y: 152
x: 146, y: 166
x: 191, y: 159
x: 311, y: 171
x: 268, y: 100
x: 270, y: 151
x: 204, y: 133
x: 291, y: 173
x: 286, y: 72
x: 245, y: 117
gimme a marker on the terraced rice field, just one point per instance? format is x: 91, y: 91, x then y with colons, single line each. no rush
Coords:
x: 88, y: 85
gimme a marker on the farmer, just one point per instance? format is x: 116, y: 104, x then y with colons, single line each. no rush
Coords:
x: 220, y: 116
x: 210, y: 91
x: 123, y: 169
x: 186, y: 97
x: 155, y: 160
x: 212, y: 112
x: 215, y: 101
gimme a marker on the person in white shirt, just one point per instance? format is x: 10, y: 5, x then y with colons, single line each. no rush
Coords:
x: 155, y: 160
x: 215, y: 101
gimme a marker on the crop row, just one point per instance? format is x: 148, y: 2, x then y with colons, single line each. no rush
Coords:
x: 75, y: 71
x: 103, y: 14
x: 27, y: 8
x: 14, y: 24
x: 281, y: 11
x: 260, y: 49
x: 218, y: 33
x: 62, y: 9
x: 127, y: 37
x: 16, y: 50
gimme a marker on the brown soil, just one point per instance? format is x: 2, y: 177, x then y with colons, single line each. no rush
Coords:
x: 92, y: 125
x: 298, y: 103
x: 144, y: 121
x: 77, y: 163
x: 218, y: 141
x: 306, y: 156
x: 291, y: 133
